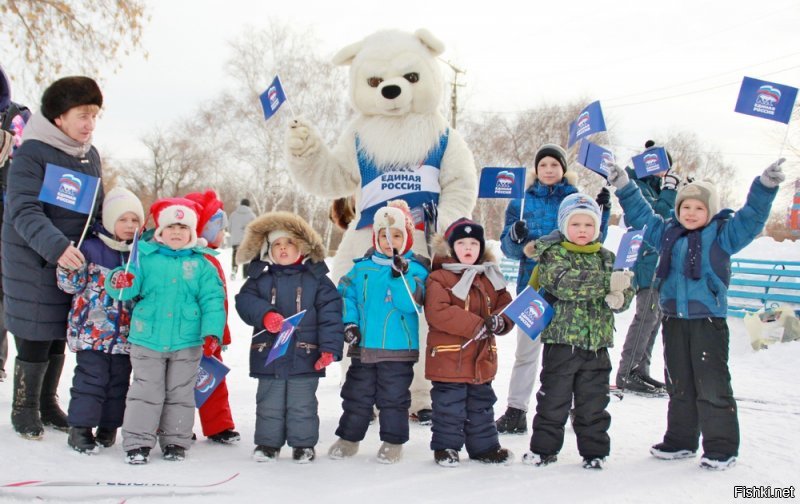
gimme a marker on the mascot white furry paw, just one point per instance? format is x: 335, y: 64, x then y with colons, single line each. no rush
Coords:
x: 398, y: 145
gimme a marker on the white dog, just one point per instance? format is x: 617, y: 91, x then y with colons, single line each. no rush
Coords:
x: 398, y: 146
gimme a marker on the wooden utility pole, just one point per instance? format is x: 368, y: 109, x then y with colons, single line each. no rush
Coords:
x: 454, y: 93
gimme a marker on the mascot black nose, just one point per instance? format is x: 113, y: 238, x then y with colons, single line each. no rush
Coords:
x: 391, y: 92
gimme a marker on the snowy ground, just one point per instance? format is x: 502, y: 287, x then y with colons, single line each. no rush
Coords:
x: 770, y: 445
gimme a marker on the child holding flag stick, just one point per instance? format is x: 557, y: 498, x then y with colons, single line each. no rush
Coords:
x: 287, y: 275
x: 98, y: 326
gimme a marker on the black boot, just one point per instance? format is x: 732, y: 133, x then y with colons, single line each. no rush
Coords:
x: 48, y: 405
x: 82, y: 440
x: 25, y: 416
x: 513, y: 421
x: 105, y: 436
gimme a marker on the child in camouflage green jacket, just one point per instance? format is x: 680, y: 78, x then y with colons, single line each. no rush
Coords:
x: 575, y: 272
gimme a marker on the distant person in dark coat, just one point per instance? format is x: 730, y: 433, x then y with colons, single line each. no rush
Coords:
x: 238, y: 220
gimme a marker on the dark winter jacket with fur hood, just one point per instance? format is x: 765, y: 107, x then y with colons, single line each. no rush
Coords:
x: 452, y: 322
x: 288, y: 290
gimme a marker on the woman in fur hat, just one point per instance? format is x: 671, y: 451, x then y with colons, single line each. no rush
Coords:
x: 287, y: 274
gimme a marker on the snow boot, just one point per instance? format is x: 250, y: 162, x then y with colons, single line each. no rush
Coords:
x: 593, y: 462
x: 266, y: 453
x: 446, y: 458
x: 717, y: 463
x: 173, y: 453
x: 342, y: 449
x: 538, y: 459
x: 82, y: 440
x: 228, y: 436
x: 423, y: 416
x: 138, y: 456
x: 496, y: 456
x: 652, y: 381
x: 390, y: 453
x: 635, y: 384
x: 664, y: 451
x: 25, y: 416
x: 51, y: 412
x: 303, y: 455
x: 105, y: 436
x: 513, y: 421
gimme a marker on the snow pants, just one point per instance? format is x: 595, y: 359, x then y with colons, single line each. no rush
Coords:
x: 523, y: 374
x: 287, y: 412
x: 99, y: 386
x: 641, y: 337
x: 463, y: 413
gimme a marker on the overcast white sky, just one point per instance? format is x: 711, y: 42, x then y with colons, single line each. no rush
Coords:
x: 656, y: 66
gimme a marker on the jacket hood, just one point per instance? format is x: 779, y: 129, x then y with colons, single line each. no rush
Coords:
x: 442, y: 253
x: 534, y: 248
x: 256, y: 233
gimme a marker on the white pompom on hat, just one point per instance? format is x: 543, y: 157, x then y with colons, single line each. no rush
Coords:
x: 119, y: 201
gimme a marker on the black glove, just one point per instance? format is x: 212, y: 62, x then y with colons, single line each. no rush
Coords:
x: 495, y: 324
x: 604, y: 199
x: 519, y: 231
x: 351, y: 334
x: 399, y: 265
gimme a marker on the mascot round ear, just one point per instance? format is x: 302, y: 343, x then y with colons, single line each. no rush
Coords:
x: 434, y: 45
x: 345, y: 56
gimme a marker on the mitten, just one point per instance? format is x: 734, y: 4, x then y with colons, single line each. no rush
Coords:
x: 617, y: 176
x: 399, y: 265
x: 670, y: 181
x: 302, y: 139
x: 620, y: 280
x: 773, y: 175
x: 351, y: 334
x: 615, y: 300
x: 519, y: 231
x: 481, y: 332
x: 210, y: 346
x: 122, y: 280
x: 273, y: 322
x: 324, y: 360
x: 495, y: 324
x: 604, y: 199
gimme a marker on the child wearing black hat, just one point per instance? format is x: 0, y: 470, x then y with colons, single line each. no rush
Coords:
x: 466, y: 293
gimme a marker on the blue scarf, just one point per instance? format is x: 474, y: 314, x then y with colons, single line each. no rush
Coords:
x: 692, y: 267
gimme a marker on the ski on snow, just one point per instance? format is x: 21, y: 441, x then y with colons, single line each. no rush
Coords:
x: 128, y: 484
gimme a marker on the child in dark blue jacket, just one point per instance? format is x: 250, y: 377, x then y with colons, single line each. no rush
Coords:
x: 692, y: 276
x: 287, y: 274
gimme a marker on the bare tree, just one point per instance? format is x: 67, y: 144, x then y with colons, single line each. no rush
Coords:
x: 88, y: 34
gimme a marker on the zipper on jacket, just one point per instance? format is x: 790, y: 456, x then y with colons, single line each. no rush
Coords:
x: 408, y: 333
x: 297, y: 297
x: 274, y: 296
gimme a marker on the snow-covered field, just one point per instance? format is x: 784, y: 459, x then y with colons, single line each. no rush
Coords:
x: 770, y: 446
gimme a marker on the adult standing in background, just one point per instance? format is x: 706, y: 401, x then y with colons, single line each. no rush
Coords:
x: 36, y: 237
x: 239, y: 220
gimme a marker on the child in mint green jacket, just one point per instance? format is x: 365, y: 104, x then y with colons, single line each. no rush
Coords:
x: 181, y: 303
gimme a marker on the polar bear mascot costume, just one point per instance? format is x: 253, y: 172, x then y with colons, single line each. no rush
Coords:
x: 398, y: 146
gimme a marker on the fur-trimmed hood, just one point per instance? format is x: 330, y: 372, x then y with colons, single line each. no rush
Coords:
x: 442, y: 253
x: 255, y: 236
x: 530, y: 178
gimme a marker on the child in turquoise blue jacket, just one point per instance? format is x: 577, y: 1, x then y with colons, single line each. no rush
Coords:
x: 181, y: 303
x: 383, y: 296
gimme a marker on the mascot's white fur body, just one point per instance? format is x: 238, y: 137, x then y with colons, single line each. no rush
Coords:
x: 396, y: 86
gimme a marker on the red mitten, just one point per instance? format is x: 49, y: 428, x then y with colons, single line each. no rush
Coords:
x: 273, y: 322
x: 210, y: 346
x: 324, y: 360
x: 122, y: 280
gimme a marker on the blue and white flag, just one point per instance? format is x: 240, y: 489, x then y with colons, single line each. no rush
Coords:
x: 272, y: 98
x: 766, y: 99
x: 282, y: 340
x: 530, y: 312
x: 595, y: 158
x: 502, y: 183
x: 209, y: 376
x: 628, y: 250
x: 653, y: 160
x: 133, y: 257
x: 69, y: 189
x: 589, y: 122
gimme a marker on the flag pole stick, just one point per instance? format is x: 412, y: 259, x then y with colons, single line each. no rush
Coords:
x: 91, y: 212
x: 785, y: 138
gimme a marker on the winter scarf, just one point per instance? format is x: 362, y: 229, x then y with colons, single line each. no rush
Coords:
x: 468, y: 272
x: 693, y: 264
x: 39, y: 128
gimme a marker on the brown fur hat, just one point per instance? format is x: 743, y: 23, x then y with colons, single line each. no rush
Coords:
x: 343, y: 211
x: 255, y: 236
x: 67, y: 93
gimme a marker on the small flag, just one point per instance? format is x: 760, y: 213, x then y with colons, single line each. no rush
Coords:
x: 68, y: 189
x: 282, y: 340
x: 530, y: 312
x: 595, y: 158
x: 589, y: 122
x: 133, y: 257
x: 766, y: 99
x: 628, y: 250
x: 653, y: 160
x: 272, y: 98
x: 502, y: 183
x: 209, y: 376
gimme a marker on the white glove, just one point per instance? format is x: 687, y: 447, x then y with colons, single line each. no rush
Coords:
x: 617, y: 176
x: 620, y: 280
x: 773, y: 175
x: 670, y: 181
x: 302, y: 139
x: 615, y: 300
